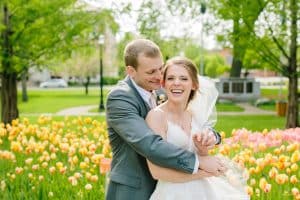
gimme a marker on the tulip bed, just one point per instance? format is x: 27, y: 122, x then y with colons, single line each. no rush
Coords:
x: 68, y: 159
x: 272, y: 160
x: 53, y: 159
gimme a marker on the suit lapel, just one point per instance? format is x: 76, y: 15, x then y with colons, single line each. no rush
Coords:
x: 137, y: 94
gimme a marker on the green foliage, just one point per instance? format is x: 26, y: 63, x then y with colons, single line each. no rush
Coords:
x: 215, y: 66
x: 110, y: 80
x: 46, y: 29
x: 120, y: 55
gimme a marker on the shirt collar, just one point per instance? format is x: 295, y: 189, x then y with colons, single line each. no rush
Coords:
x: 146, y: 95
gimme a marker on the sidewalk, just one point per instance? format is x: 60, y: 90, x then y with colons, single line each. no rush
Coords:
x: 248, y: 110
x: 84, y: 110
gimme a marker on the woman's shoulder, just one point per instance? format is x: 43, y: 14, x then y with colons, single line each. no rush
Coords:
x: 157, y: 120
x: 157, y: 113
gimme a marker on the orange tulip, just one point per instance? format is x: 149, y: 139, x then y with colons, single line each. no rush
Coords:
x: 105, y: 165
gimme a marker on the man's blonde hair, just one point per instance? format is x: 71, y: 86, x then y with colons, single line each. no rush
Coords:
x: 140, y: 47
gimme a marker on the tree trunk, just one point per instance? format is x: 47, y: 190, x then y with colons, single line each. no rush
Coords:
x: 293, y: 108
x: 24, y: 86
x: 86, y: 85
x: 237, y: 62
x: 9, y: 75
x: 9, y: 97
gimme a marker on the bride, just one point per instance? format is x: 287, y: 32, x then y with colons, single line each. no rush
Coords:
x: 189, y: 110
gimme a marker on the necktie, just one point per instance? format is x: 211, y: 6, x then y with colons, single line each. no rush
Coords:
x: 152, y: 101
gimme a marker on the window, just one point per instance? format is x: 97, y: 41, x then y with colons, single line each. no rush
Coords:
x: 237, y: 87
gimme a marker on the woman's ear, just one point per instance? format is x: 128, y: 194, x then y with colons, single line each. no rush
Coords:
x: 195, y: 87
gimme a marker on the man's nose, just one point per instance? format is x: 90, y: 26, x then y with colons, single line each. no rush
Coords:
x: 158, y: 75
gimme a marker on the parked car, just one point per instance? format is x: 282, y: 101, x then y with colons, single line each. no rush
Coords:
x: 54, y: 83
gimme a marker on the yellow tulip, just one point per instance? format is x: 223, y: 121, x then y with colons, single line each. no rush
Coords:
x: 295, y: 157
x: 249, y: 190
x: 294, y: 167
x: 252, y: 182
x: 293, y: 179
x: 19, y: 170
x: 262, y: 183
x: 88, y: 186
x: 281, y: 178
x: 267, y: 188
x: 295, y: 191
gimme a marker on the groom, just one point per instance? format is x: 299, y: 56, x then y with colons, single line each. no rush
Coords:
x: 131, y: 140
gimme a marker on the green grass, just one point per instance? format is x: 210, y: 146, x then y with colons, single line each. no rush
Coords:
x: 228, y: 107
x: 54, y: 100
x: 221, y: 107
x: 33, y: 119
x: 250, y: 122
x: 274, y: 93
x: 270, y: 107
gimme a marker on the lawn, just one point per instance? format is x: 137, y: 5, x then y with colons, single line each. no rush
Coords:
x: 274, y: 93
x: 250, y: 122
x: 54, y: 100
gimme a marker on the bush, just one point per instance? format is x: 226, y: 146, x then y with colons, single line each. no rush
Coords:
x: 110, y: 80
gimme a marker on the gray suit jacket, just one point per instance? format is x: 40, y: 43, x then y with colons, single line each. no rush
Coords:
x: 132, y: 141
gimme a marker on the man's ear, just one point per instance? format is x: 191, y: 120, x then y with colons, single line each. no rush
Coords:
x: 130, y: 71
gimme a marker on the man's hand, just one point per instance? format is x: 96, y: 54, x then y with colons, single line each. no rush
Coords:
x: 212, y: 164
x: 204, y: 141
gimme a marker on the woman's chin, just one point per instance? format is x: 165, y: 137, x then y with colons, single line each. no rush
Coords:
x: 177, y: 99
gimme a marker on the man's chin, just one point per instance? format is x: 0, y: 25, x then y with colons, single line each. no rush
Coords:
x: 156, y: 87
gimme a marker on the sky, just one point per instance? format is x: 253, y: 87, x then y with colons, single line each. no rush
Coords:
x: 175, y: 25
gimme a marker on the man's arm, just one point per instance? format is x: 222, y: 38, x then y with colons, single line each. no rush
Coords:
x: 123, y: 117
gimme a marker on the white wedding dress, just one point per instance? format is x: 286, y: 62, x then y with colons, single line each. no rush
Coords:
x: 212, y: 188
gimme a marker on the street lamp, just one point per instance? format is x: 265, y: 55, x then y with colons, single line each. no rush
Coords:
x: 202, y: 10
x: 101, y: 42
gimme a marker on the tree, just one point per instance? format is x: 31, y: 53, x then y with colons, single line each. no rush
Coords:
x: 215, y: 66
x: 243, y: 16
x: 33, y: 33
x: 275, y: 40
x: 83, y: 65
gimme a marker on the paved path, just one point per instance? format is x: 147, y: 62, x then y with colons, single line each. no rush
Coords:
x: 248, y: 110
x: 81, y: 110
x: 84, y: 110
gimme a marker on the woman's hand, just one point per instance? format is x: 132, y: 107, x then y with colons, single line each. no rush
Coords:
x: 204, y: 142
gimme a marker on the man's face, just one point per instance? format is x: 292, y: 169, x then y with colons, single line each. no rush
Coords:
x: 148, y: 74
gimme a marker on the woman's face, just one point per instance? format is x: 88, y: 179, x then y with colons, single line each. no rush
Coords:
x: 178, y: 84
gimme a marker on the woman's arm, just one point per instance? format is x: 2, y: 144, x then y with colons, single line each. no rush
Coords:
x: 174, y: 176
x: 158, y: 123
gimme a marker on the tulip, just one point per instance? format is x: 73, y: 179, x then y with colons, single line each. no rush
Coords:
x: 88, y: 186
